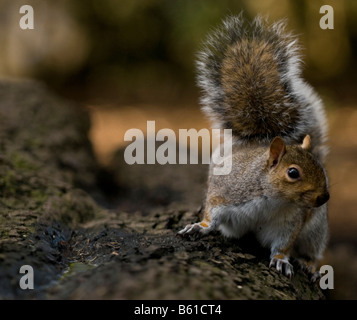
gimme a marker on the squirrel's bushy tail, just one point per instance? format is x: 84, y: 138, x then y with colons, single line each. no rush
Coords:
x: 250, y: 74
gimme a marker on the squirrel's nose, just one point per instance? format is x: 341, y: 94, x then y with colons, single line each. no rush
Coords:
x: 321, y: 199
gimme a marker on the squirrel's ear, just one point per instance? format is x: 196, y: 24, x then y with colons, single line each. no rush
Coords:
x: 306, y: 144
x: 277, y: 150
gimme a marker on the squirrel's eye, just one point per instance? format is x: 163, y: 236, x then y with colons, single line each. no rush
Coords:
x: 293, y: 173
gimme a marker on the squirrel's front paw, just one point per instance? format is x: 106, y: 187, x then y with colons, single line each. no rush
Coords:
x: 196, y: 228
x: 281, y: 263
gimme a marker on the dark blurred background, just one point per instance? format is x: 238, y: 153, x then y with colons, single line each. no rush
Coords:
x: 130, y: 61
x: 144, y: 50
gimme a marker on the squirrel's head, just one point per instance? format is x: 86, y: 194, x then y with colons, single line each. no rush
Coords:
x: 296, y: 173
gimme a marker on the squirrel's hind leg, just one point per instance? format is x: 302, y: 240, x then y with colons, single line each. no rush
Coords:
x: 312, y: 241
x: 310, y: 268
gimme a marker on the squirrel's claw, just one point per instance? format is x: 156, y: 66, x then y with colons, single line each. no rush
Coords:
x: 315, y: 276
x: 309, y: 267
x: 283, y: 266
x: 189, y: 229
x: 195, y: 228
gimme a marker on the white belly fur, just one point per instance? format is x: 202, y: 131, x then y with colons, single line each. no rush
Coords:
x: 265, y: 218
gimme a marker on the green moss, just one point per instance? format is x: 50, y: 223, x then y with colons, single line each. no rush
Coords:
x: 8, y: 183
x: 4, y: 233
x: 34, y: 143
x: 21, y: 162
x: 75, y: 268
x: 38, y: 196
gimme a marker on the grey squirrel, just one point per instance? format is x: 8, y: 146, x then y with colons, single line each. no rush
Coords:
x: 250, y: 74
